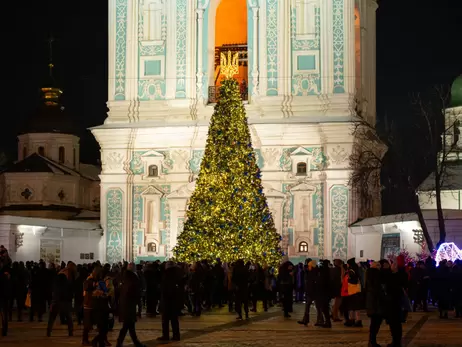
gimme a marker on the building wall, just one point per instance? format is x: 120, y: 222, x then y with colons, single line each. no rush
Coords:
x: 138, y: 210
x: 301, y: 99
x: 292, y: 73
x: 450, y: 200
x: 70, y: 191
x: 369, y: 240
x: 72, y: 243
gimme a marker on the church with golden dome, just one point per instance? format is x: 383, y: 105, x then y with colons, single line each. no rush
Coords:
x: 50, y: 200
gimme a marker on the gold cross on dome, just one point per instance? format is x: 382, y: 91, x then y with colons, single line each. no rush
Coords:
x: 229, y: 66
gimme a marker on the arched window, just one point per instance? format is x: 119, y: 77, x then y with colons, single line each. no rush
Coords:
x: 152, y: 248
x: 24, y: 152
x: 301, y: 169
x: 41, y: 151
x: 61, y: 155
x: 303, y: 247
x: 153, y: 171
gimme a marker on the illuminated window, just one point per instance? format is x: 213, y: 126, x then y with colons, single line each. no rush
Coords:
x: 41, y: 151
x: 303, y: 247
x: 301, y: 169
x: 153, y: 171
x: 152, y: 248
x: 62, y: 155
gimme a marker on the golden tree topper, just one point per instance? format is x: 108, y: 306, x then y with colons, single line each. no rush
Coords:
x: 229, y: 66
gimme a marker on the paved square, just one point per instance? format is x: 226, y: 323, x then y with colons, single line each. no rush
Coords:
x: 220, y: 329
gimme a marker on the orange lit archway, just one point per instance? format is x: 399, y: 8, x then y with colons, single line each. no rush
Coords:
x: 231, y: 34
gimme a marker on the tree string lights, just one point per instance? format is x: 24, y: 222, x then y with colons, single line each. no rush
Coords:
x: 228, y: 215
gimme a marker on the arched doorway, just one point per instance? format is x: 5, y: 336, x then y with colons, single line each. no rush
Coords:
x: 230, y: 34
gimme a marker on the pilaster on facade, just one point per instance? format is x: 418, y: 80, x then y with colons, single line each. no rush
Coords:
x: 368, y: 10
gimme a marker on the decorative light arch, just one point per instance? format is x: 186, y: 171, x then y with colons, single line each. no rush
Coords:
x: 448, y: 251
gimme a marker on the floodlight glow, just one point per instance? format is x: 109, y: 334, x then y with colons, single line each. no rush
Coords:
x: 448, y: 251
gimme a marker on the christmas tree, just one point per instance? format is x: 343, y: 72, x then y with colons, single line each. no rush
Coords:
x: 228, y: 216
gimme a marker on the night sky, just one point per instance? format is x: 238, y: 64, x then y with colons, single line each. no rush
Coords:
x: 419, y: 44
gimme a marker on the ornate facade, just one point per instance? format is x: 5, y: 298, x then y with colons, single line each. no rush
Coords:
x: 307, y: 63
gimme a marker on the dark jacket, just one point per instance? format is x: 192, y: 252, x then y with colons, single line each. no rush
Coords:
x: 240, y: 278
x: 171, y: 300
x: 336, y: 281
x: 311, y: 283
x: 5, y: 285
x: 373, y: 289
x: 63, y: 289
x: 324, y: 282
x: 130, y: 290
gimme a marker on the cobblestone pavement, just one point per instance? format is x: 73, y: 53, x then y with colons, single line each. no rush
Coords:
x: 220, y: 329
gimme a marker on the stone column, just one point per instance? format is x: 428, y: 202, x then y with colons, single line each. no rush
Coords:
x: 132, y: 51
x: 177, y: 210
x: 255, y: 53
x: 114, y: 217
x: 350, y: 49
x: 327, y: 69
x: 275, y: 205
x: 200, y: 70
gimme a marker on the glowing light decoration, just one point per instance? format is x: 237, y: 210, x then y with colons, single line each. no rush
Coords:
x: 448, y: 251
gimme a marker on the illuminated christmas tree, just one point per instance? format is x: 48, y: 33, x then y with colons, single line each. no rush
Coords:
x: 228, y: 215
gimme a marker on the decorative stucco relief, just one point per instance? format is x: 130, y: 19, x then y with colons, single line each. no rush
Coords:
x: 114, y: 225
x: 339, y: 198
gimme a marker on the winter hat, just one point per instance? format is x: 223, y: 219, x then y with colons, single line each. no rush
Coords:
x: 312, y: 263
x: 351, y: 262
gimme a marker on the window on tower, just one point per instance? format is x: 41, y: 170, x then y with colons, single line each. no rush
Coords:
x: 303, y: 247
x: 24, y: 152
x: 153, y: 171
x: 301, y: 169
x: 152, y: 20
x: 152, y: 247
x: 61, y: 155
x: 41, y: 151
x: 306, y: 18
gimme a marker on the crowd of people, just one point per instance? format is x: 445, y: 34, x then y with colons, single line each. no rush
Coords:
x: 97, y: 294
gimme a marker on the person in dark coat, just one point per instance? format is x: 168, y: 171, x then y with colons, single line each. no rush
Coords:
x: 443, y: 288
x: 152, y: 276
x: 384, y: 293
x: 171, y: 301
x: 63, y: 294
x: 286, y: 283
x: 374, y: 301
x: 130, y: 290
x: 324, y: 295
x: 311, y: 291
x: 38, y: 291
x: 19, y: 282
x: 5, y: 294
x: 240, y: 279
x: 337, y: 274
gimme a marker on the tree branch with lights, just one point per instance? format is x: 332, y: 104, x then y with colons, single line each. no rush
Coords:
x: 228, y: 217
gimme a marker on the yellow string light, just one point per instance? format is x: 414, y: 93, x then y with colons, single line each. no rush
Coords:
x: 228, y: 216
